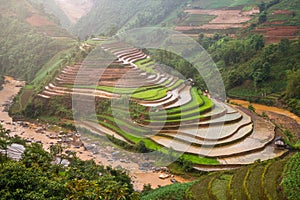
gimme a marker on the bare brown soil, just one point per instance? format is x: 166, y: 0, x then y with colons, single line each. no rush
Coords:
x: 285, y: 122
x: 276, y: 33
x: 282, y: 12
x: 209, y: 27
x: 37, y: 20
x: 225, y: 16
x: 225, y: 19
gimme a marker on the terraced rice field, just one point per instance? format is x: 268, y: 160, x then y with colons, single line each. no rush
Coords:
x: 211, y: 21
x: 206, y: 130
x: 262, y: 180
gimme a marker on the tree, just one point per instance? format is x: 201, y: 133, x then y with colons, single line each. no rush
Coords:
x: 250, y: 107
x: 262, y: 18
x: 19, y: 182
x: 293, y: 84
x: 262, y: 6
x: 257, y: 42
x: 141, y: 147
x: 257, y: 77
x: 35, y: 155
x: 266, y: 69
x: 4, y: 142
x: 284, y: 46
x: 146, y: 189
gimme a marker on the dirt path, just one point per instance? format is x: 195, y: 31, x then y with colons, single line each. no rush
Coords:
x: 104, y: 156
x: 263, y: 108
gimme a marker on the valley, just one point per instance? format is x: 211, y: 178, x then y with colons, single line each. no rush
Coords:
x: 203, y: 103
x: 75, y: 9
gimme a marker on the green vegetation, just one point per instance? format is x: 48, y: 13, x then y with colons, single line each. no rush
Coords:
x: 271, y: 179
x: 51, y: 7
x: 250, y: 69
x: 146, y: 65
x: 1, y: 81
x: 291, y: 177
x: 219, y: 186
x: 252, y: 182
x: 193, y: 109
x: 221, y: 4
x: 196, y: 20
x: 112, y: 124
x: 236, y: 183
x: 274, y: 179
x: 290, y: 18
x: 24, y: 48
x: 293, y: 91
x: 174, y: 192
x: 34, y: 177
x: 201, y: 189
x: 124, y: 14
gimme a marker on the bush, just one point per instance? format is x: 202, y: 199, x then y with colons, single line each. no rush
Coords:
x: 250, y: 107
x: 174, y: 192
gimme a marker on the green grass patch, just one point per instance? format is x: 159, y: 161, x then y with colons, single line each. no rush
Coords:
x: 253, y: 183
x: 200, y: 189
x: 51, y: 68
x: 146, y: 65
x: 198, y: 102
x: 220, y: 4
x: 272, y: 179
x: 175, y: 192
x: 153, y: 146
x: 126, y: 125
x: 243, y: 92
x: 29, y: 87
x: 196, y: 20
x: 149, y: 93
x: 236, y: 186
x: 290, y: 181
x: 219, y: 187
x: 190, y: 111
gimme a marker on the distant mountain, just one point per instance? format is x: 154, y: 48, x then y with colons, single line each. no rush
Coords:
x: 109, y: 16
x: 51, y: 7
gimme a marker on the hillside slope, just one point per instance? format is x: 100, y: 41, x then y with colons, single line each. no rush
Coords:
x: 30, y: 38
x: 107, y: 17
x: 51, y: 7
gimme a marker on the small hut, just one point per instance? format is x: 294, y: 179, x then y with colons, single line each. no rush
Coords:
x: 189, y: 82
x: 279, y: 143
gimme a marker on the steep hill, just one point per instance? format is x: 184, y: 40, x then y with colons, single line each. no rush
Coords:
x: 107, y: 17
x: 51, y: 7
x: 29, y: 40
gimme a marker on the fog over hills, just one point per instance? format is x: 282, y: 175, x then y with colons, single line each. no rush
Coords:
x: 75, y: 9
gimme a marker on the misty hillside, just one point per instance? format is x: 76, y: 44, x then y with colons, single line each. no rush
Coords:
x: 30, y: 38
x: 107, y: 16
